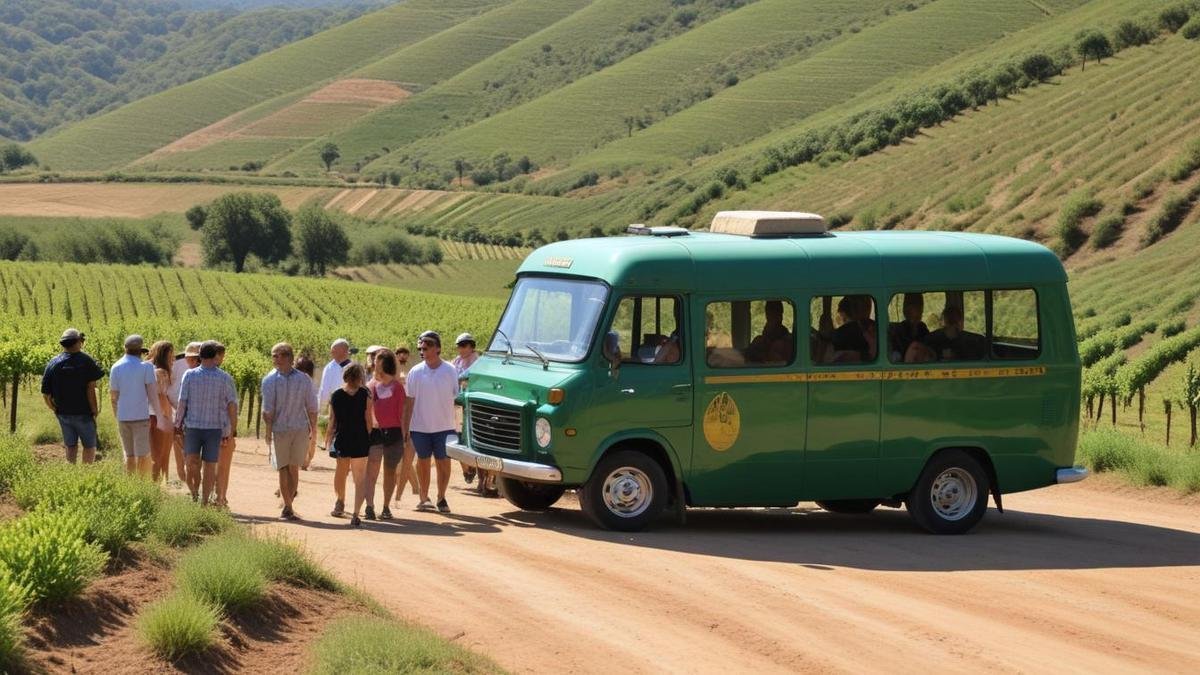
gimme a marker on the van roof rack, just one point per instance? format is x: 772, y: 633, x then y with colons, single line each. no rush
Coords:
x: 646, y: 231
x: 767, y: 223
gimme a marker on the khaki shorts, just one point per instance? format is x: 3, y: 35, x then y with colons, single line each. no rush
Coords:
x: 135, y: 438
x: 291, y: 448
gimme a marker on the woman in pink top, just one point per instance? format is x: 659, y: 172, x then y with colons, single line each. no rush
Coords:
x: 387, y: 444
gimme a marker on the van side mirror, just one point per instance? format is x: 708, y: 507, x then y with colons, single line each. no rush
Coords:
x: 611, y: 350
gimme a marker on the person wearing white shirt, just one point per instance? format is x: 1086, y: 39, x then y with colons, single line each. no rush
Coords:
x: 431, y: 387
x: 331, y: 381
x: 133, y: 389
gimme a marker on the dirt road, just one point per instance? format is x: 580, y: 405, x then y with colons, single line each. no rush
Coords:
x: 1070, y: 578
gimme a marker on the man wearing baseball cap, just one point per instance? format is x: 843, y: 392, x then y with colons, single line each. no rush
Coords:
x: 69, y: 390
x: 331, y: 381
x: 431, y: 386
x: 134, y: 393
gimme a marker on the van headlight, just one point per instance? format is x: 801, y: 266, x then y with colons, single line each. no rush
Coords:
x: 541, y: 432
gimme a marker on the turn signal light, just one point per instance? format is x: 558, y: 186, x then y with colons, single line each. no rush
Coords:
x: 556, y: 396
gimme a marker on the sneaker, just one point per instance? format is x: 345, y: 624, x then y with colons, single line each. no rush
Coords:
x: 469, y: 474
x: 370, y: 514
x: 425, y: 505
x: 442, y: 506
x: 385, y: 514
x: 339, y: 509
x: 287, y: 514
x: 355, y: 522
x: 293, y: 517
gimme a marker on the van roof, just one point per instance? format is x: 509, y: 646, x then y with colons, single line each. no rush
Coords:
x: 705, y: 261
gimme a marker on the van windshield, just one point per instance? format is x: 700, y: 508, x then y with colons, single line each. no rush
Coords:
x: 554, y: 318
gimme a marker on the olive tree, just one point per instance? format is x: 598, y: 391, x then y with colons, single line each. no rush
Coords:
x: 321, y: 241
x: 330, y: 154
x: 242, y: 223
x: 1093, y: 44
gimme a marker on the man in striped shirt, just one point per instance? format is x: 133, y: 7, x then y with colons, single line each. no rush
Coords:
x: 289, y: 407
x: 207, y: 415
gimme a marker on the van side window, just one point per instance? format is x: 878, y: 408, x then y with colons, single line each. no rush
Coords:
x: 649, y: 329
x: 843, y: 330
x: 937, y: 326
x: 1015, y: 333
x: 750, y: 333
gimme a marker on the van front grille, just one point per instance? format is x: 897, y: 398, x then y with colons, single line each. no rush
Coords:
x: 495, y: 428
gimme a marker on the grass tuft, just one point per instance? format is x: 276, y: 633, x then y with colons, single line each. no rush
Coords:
x: 180, y: 522
x: 377, y: 645
x: 288, y: 562
x: 46, y: 554
x: 1139, y: 461
x: 223, y: 571
x: 178, y: 625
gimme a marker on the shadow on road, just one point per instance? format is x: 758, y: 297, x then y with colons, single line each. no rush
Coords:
x: 887, y: 540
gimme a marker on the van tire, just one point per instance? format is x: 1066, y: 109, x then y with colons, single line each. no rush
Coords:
x: 951, y: 495
x: 636, y: 488
x: 529, y: 496
x: 849, y: 506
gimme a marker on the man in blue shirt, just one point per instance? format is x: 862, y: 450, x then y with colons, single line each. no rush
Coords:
x: 69, y: 390
x: 134, y: 393
x: 289, y: 408
x: 207, y: 415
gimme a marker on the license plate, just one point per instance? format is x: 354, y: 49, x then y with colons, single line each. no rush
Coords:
x: 488, y: 463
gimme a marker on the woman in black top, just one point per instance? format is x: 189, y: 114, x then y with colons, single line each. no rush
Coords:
x: 349, y: 432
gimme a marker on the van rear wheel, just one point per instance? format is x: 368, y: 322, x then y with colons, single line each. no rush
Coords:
x: 951, y: 495
x: 529, y: 496
x: 626, y: 492
x: 852, y: 506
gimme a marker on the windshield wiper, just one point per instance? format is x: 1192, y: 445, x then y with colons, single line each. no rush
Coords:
x: 544, y: 360
x: 509, y: 352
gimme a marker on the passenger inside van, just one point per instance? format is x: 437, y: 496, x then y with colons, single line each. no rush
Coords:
x: 774, y: 344
x: 948, y: 343
x: 854, y: 341
x: 902, y: 334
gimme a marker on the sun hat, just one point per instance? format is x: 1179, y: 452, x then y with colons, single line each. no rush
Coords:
x: 193, y: 349
x: 465, y: 337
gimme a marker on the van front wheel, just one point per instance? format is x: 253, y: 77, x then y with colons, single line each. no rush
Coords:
x: 626, y: 492
x: 530, y: 496
x: 951, y: 495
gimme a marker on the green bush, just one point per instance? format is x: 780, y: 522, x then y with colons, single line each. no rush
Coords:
x: 1170, y: 214
x: 287, y: 562
x: 13, y: 601
x: 1131, y: 34
x: 178, y: 625
x: 1173, y: 18
x: 116, y: 508
x: 1107, y: 231
x: 1140, y: 461
x: 225, y: 572
x: 180, y: 521
x: 1191, y: 31
x: 1187, y: 162
x: 47, y: 555
x: 16, y: 462
x: 374, y: 645
x: 1077, y: 207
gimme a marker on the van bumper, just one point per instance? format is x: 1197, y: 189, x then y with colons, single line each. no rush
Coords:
x: 542, y: 473
x: 1071, y: 475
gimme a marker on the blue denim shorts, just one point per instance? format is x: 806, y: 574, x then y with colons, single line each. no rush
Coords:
x: 204, y: 442
x: 430, y: 445
x: 77, y: 429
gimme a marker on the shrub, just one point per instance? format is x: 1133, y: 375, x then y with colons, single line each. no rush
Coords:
x: 223, y: 572
x: 1038, y: 67
x: 1191, y: 31
x: 1131, y: 34
x: 586, y: 180
x: 115, y: 508
x: 1173, y: 328
x: 376, y: 645
x: 46, y: 554
x: 1173, y: 18
x: 13, y: 601
x: 1187, y: 162
x: 1107, y: 231
x: 180, y: 521
x: 1140, y: 461
x: 287, y: 562
x: 1077, y: 207
x: 1092, y: 44
x: 1169, y: 216
x: 16, y: 462
x: 178, y: 625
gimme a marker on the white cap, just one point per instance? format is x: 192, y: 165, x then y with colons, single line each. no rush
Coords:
x: 465, y: 337
x: 375, y: 348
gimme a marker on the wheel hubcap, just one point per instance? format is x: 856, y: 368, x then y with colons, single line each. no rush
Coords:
x: 953, y: 493
x: 627, y: 492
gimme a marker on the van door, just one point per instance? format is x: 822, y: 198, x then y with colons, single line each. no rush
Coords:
x: 841, y: 455
x: 748, y: 439
x: 653, y: 387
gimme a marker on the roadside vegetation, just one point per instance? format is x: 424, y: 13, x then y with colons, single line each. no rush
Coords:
x: 78, y: 523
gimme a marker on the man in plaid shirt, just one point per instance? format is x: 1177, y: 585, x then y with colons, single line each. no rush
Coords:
x: 207, y: 415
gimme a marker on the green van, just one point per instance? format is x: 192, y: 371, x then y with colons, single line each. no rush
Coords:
x: 767, y: 362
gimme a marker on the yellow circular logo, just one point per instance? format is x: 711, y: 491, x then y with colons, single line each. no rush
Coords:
x: 722, y: 422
